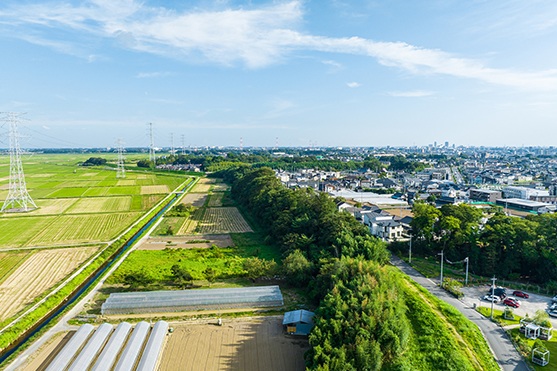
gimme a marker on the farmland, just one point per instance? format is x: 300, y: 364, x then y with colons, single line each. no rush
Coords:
x: 256, y: 344
x: 194, y: 199
x: 70, y: 198
x: 39, y: 272
x: 101, y: 204
x: 215, y: 199
x: 9, y: 261
x: 223, y: 220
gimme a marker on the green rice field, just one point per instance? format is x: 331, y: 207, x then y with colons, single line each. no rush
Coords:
x: 78, y: 204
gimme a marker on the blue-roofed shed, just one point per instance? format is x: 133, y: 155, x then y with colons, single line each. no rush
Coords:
x: 298, y: 322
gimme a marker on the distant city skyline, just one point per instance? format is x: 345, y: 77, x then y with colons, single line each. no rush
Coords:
x: 336, y: 73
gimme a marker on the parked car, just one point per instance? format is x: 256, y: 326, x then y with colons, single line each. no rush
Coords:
x: 498, y: 291
x: 552, y: 313
x: 511, y: 303
x: 554, y: 300
x: 521, y: 294
x: 514, y: 299
x: 493, y: 298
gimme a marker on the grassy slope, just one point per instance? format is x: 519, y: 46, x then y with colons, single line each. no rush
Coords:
x: 442, y: 335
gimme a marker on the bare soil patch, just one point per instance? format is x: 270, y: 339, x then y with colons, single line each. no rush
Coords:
x: 40, y: 360
x: 246, y: 345
x: 201, y: 188
x: 160, y: 243
x: 194, y: 199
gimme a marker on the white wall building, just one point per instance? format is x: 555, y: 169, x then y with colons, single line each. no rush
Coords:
x: 523, y: 192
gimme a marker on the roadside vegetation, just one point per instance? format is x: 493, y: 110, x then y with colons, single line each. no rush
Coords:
x: 510, y: 248
x: 369, y: 317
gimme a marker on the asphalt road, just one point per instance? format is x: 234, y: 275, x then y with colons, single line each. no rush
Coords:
x: 505, y: 353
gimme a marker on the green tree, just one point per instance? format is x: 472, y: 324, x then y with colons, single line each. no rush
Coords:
x: 256, y: 267
x: 137, y: 280
x: 181, y: 275
x: 209, y: 274
x: 297, y: 268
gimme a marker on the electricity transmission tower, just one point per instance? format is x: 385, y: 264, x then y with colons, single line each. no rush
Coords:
x: 152, y: 145
x: 18, y: 198
x: 172, y: 139
x: 120, y: 171
x: 183, y: 144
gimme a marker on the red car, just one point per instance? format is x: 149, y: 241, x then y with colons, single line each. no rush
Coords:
x: 511, y: 303
x: 521, y: 294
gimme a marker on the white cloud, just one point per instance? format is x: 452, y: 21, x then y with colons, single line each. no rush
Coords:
x: 412, y: 94
x: 353, y: 84
x: 256, y: 37
x: 143, y: 75
x: 46, y: 127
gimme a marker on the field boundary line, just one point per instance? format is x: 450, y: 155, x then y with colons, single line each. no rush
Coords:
x: 5, y: 276
x: 76, y: 273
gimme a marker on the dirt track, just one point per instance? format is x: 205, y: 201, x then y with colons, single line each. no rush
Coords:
x: 160, y: 243
x: 256, y: 344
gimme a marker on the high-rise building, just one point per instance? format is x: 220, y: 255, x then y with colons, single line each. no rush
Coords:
x: 446, y: 144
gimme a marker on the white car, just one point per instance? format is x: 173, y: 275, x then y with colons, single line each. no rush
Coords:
x: 552, y: 313
x: 493, y: 298
x: 553, y: 306
x: 554, y: 300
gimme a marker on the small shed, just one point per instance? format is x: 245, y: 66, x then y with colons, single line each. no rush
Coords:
x: 298, y: 322
x: 532, y: 331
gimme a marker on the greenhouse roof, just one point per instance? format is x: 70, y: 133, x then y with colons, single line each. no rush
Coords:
x: 193, y: 299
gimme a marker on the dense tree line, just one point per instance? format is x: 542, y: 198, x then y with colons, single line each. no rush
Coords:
x: 94, y: 161
x: 216, y: 162
x: 361, y: 321
x: 506, y: 246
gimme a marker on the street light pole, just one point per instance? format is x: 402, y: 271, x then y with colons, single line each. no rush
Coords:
x: 466, y: 283
x: 492, y: 294
x: 441, y: 253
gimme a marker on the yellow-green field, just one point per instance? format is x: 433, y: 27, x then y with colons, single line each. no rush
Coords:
x: 78, y: 204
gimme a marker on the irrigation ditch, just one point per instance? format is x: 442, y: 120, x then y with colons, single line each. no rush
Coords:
x: 81, y: 289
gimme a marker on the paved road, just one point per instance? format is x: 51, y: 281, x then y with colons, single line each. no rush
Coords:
x: 505, y: 353
x: 62, y: 324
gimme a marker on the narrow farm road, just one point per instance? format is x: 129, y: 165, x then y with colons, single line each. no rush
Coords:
x: 62, y: 324
x: 506, y: 355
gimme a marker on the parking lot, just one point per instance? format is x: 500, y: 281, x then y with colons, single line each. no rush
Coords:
x: 474, y: 295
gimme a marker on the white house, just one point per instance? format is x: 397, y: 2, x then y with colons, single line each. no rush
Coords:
x: 383, y: 226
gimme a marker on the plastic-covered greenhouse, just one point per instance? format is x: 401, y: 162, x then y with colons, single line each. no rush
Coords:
x: 176, y: 301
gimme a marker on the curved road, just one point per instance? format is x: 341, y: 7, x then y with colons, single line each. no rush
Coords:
x: 506, y: 355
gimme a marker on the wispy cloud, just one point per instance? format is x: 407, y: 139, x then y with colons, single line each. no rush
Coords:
x: 143, y: 75
x: 353, y: 84
x: 256, y: 37
x: 334, y: 66
x: 411, y: 94
x: 46, y: 127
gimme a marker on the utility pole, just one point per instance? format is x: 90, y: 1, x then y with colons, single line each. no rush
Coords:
x: 152, y: 145
x: 410, y: 251
x: 441, y: 253
x: 492, y: 294
x: 18, y: 198
x: 120, y: 170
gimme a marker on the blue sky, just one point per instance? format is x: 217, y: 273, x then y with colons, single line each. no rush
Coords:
x: 339, y: 73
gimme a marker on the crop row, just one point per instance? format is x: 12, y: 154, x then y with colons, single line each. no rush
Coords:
x: 101, y: 204
x: 83, y: 228
x: 223, y: 220
x: 42, y: 270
